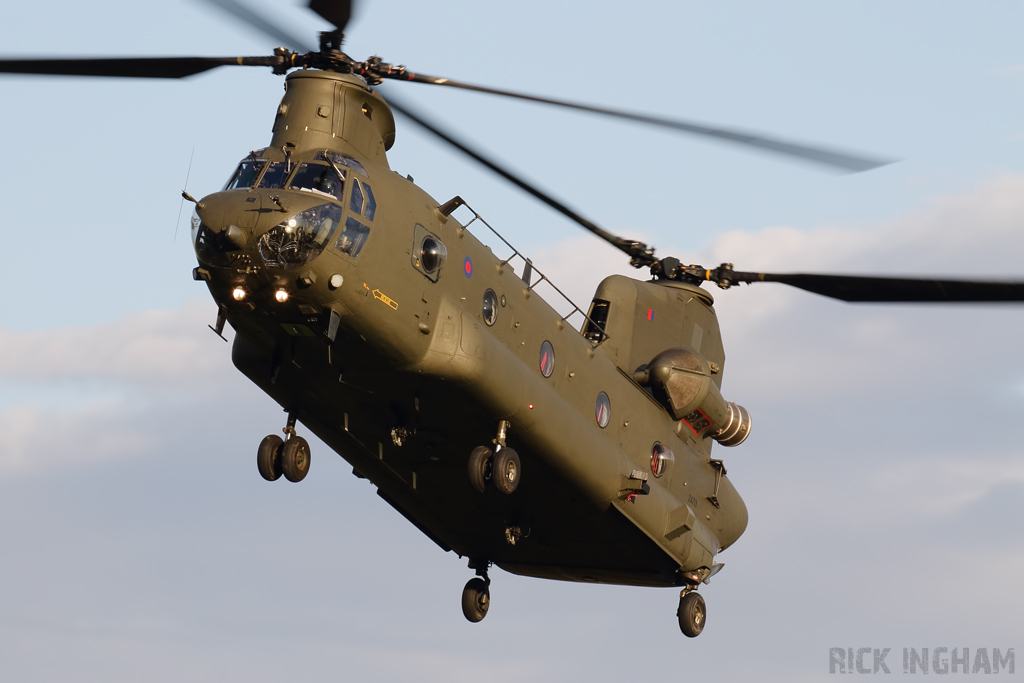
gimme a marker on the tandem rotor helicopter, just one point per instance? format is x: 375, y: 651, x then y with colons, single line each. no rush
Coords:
x: 576, y: 447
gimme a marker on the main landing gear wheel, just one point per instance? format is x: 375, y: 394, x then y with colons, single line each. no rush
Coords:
x: 692, y: 614
x: 480, y: 468
x: 267, y: 457
x: 476, y: 598
x: 506, y: 471
x: 295, y: 459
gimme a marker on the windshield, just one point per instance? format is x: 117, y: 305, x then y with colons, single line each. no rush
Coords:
x: 276, y: 173
x: 245, y: 175
x: 318, y: 178
x: 342, y: 161
x: 300, y: 239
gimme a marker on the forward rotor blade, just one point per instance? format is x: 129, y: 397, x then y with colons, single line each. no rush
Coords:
x: 856, y: 288
x: 260, y: 23
x: 847, y: 162
x: 129, y: 67
x: 634, y: 249
x: 338, y: 12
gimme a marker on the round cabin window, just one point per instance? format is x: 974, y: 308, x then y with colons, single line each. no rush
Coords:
x: 547, y: 359
x: 432, y: 254
x: 661, y: 458
x: 490, y: 309
x: 603, y: 410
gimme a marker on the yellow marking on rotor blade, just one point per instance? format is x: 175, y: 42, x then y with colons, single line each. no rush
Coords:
x: 381, y: 296
x: 239, y: 60
x: 760, y: 276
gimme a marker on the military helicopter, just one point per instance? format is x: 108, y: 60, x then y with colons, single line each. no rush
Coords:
x: 387, y: 328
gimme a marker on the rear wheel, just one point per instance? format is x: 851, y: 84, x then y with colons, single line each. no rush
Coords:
x: 507, y: 470
x: 692, y: 614
x: 480, y: 467
x: 267, y: 457
x: 295, y: 459
x: 476, y: 599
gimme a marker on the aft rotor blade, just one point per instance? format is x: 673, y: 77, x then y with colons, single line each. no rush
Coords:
x: 338, y: 12
x: 634, y: 249
x: 129, y: 67
x: 260, y: 23
x: 848, y: 162
x: 855, y: 288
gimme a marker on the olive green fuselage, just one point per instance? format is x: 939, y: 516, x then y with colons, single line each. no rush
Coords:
x: 369, y: 344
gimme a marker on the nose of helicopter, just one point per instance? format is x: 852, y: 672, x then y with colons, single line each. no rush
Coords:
x: 226, y: 225
x: 256, y: 249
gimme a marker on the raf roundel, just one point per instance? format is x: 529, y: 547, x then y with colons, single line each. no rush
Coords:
x: 468, y: 267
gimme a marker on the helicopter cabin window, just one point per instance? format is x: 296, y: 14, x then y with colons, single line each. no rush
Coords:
x: 490, y: 308
x: 371, y: 203
x: 245, y: 175
x: 603, y: 410
x: 356, y: 203
x: 597, y: 322
x: 547, y: 358
x: 353, y: 238
x: 275, y: 175
x: 318, y: 178
x: 342, y: 161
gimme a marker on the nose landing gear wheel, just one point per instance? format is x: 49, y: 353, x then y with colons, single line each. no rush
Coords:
x: 476, y: 598
x: 506, y: 471
x: 295, y: 459
x: 267, y: 457
x: 692, y: 614
x: 480, y: 468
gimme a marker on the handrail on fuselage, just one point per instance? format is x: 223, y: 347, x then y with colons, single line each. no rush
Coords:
x: 529, y: 269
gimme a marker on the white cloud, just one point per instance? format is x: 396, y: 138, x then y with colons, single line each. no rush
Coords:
x: 80, y: 396
x: 168, y: 347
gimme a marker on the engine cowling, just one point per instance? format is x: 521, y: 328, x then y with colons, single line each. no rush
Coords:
x: 680, y: 380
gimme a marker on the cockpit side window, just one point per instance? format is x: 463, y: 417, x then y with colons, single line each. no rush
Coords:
x: 371, y: 203
x: 275, y: 175
x: 356, y: 202
x: 245, y: 175
x: 351, y: 240
x: 318, y: 178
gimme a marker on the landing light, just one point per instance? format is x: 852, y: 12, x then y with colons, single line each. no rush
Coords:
x: 281, y: 296
x: 237, y: 293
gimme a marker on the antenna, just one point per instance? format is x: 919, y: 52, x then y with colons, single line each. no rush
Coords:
x: 182, y: 204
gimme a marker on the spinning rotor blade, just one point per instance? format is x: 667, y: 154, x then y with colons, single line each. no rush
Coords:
x: 130, y: 67
x: 855, y: 288
x: 637, y: 250
x: 338, y: 12
x: 260, y: 23
x: 847, y: 162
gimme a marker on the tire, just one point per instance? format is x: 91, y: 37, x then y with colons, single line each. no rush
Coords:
x: 692, y: 614
x: 295, y: 459
x: 479, y: 467
x: 267, y: 459
x: 507, y: 470
x: 476, y: 599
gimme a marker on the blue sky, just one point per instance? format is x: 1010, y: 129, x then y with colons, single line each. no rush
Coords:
x: 884, y: 475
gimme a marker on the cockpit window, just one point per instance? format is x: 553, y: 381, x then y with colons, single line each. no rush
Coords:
x: 356, y: 203
x: 318, y: 178
x: 245, y: 175
x: 275, y: 175
x: 300, y: 239
x: 342, y: 161
x: 353, y: 238
x: 371, y: 203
